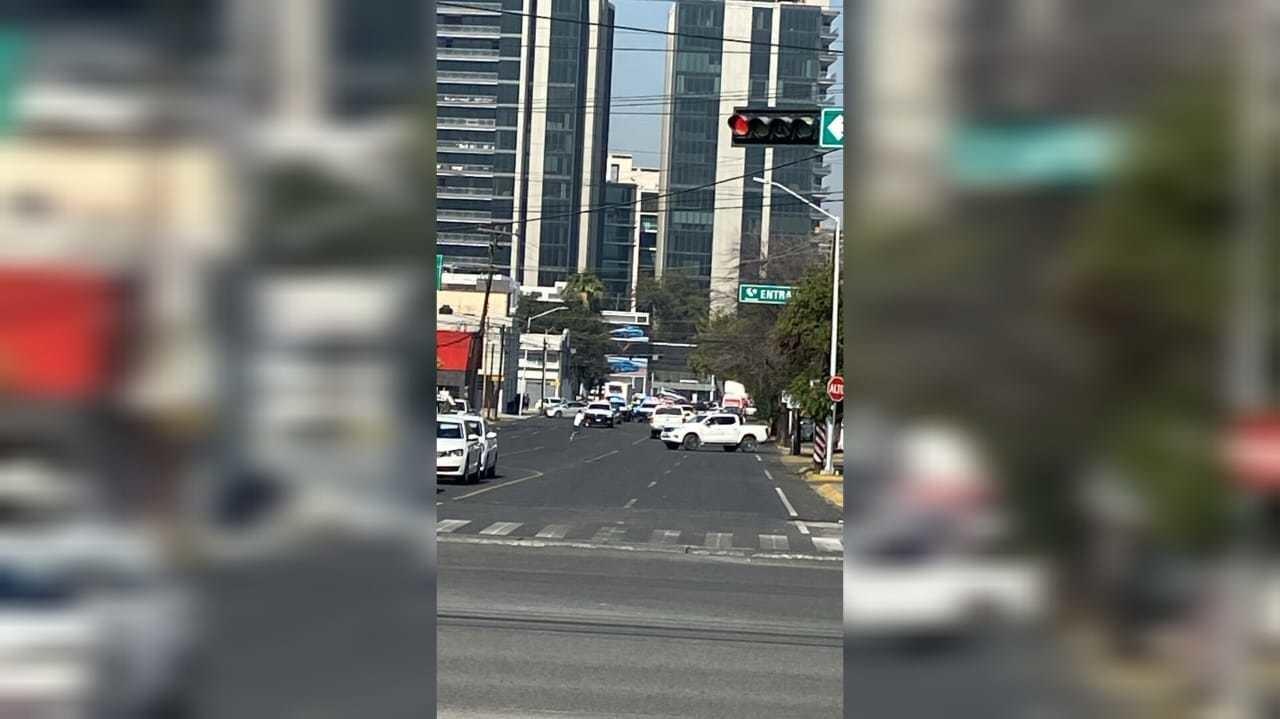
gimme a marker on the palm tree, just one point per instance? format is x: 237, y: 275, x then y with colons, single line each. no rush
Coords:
x: 584, y: 286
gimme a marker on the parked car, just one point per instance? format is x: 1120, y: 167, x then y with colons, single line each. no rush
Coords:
x: 664, y: 418
x: 565, y: 409
x: 598, y: 414
x: 458, y: 453
x: 723, y: 430
x: 488, y: 444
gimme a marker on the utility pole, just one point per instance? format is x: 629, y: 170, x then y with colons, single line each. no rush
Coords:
x: 502, y: 361
x: 542, y: 397
x: 484, y: 318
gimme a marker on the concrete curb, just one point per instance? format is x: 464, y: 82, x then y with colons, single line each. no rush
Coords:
x: 830, y: 487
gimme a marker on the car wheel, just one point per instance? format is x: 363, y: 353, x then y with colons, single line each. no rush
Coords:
x: 692, y: 442
x: 748, y: 444
x: 653, y: 434
x: 672, y: 445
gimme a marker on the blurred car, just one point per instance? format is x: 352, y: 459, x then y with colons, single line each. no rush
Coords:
x: 628, y: 332
x: 622, y: 366
x: 478, y: 426
x: 458, y: 453
x: 907, y: 585
x: 664, y: 418
x: 566, y: 409
x: 93, y: 620
x: 598, y: 414
x: 644, y: 411
x: 622, y: 411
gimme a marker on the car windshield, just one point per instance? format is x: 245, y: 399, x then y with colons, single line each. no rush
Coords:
x: 600, y: 405
x: 448, y: 430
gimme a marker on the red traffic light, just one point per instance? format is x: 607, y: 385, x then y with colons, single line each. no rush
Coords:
x: 774, y: 126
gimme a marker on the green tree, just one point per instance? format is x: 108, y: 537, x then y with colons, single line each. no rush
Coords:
x: 583, y: 288
x: 736, y: 346
x: 676, y: 304
x: 802, y: 339
x: 588, y: 337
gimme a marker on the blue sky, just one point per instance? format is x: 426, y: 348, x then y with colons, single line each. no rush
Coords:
x: 641, y: 73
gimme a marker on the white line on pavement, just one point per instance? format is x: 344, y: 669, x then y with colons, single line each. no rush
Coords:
x: 449, y: 525
x: 630, y: 503
x: 776, y: 542
x: 804, y: 528
x: 770, y: 476
x: 500, y: 529
x: 719, y: 540
x: 554, y: 531
x: 828, y: 544
x: 609, y: 534
x: 791, y: 511
x: 597, y: 459
x: 665, y: 536
x: 535, y: 475
x: 638, y: 441
x: 653, y: 484
x: 758, y: 458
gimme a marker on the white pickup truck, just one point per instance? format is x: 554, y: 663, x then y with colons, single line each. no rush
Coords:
x: 722, y: 429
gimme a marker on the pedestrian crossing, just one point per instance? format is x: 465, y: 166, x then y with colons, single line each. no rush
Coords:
x: 799, y: 537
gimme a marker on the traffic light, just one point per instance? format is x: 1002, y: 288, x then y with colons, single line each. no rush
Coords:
x: 774, y: 126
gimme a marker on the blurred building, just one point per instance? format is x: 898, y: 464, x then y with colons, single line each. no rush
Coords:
x: 543, y: 369
x: 627, y: 246
x: 720, y: 223
x: 522, y: 125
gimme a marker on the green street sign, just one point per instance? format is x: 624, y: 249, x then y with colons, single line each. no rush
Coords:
x: 832, y: 127
x: 764, y: 294
x: 12, y: 52
x: 439, y: 270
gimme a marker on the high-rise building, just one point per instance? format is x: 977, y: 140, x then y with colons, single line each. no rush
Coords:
x: 720, y: 224
x: 627, y: 245
x: 523, y: 95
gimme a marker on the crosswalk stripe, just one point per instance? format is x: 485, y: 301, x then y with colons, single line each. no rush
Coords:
x: 828, y: 544
x: 665, y: 536
x: 719, y: 540
x: 609, y: 534
x: 501, y: 529
x: 554, y: 531
x: 445, y: 526
x: 775, y: 542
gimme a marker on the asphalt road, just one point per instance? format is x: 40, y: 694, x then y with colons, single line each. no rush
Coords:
x: 567, y: 632
x: 618, y: 486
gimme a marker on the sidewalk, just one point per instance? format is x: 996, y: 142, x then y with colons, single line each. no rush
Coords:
x: 828, y: 486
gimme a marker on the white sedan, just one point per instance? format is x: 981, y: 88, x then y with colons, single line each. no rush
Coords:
x: 476, y: 425
x: 458, y: 453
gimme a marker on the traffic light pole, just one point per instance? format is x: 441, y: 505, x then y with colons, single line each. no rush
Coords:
x: 828, y: 459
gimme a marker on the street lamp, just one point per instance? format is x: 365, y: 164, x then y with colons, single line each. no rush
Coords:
x: 828, y: 460
x: 527, y: 325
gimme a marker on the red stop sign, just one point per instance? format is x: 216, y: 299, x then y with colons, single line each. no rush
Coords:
x: 835, y: 388
x: 1252, y: 451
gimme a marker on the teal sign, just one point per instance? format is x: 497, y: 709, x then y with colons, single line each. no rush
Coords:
x: 12, y: 52
x: 764, y: 294
x: 439, y: 270
x: 832, y: 127
x: 1039, y: 154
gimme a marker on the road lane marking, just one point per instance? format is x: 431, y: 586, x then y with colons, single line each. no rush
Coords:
x: 664, y: 536
x: 522, y: 451
x: 828, y: 544
x: 758, y: 458
x: 609, y: 534
x: 775, y: 542
x: 535, y: 475
x: 554, y: 531
x: 804, y: 528
x: 630, y: 503
x: 719, y: 540
x: 597, y: 459
x: 638, y: 441
x: 501, y: 529
x: 667, y: 472
x: 770, y: 476
x: 445, y: 526
x: 791, y: 511
x: 653, y: 484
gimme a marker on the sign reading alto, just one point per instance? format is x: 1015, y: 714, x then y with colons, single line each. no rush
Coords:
x: 764, y: 294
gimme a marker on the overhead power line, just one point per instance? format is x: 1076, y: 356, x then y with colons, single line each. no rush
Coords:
x: 601, y: 208
x: 649, y: 30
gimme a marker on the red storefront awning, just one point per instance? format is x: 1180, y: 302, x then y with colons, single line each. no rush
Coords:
x: 57, y: 330
x: 453, y: 349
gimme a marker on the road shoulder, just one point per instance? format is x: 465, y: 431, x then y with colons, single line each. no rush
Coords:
x: 815, y: 497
